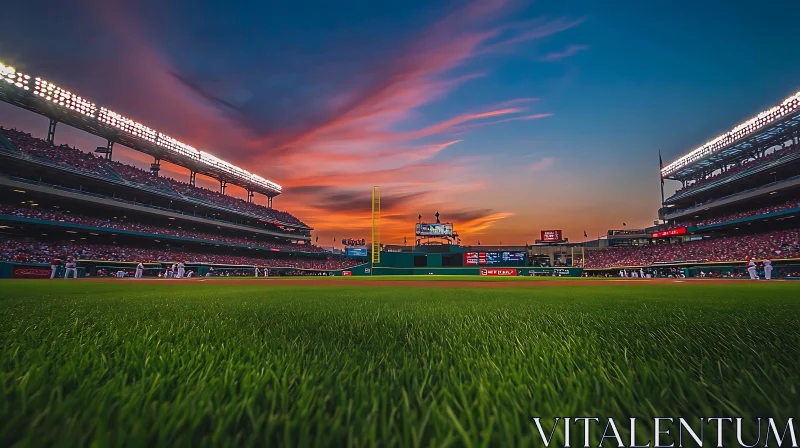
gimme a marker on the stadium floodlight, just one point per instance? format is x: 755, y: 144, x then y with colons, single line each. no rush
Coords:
x: 789, y: 105
x: 63, y: 97
x: 14, y: 78
x: 60, y: 97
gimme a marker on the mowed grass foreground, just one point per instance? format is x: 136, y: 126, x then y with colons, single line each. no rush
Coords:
x: 260, y: 364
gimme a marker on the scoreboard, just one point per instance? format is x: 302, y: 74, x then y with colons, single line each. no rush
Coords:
x: 551, y: 236
x: 492, y: 258
x: 434, y: 229
x: 355, y: 251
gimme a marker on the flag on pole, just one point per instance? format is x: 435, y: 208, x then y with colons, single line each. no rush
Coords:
x: 317, y: 240
x: 585, y: 235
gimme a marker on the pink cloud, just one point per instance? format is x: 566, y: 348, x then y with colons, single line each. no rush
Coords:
x: 357, y: 141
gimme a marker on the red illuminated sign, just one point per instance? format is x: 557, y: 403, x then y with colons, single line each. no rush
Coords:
x: 498, y: 272
x: 551, y: 236
x: 347, y: 273
x: 670, y: 232
x: 30, y: 272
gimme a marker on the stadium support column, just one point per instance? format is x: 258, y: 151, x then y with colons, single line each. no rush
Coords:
x: 223, y: 184
x: 250, y: 196
x: 192, y: 178
x: 269, y: 201
x: 51, y: 131
x: 109, y: 149
x: 155, y: 167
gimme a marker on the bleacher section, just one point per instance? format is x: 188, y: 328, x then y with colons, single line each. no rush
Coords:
x: 779, y: 244
x: 26, y: 251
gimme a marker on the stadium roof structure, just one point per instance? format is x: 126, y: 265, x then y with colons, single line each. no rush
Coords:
x: 60, y: 105
x: 766, y: 128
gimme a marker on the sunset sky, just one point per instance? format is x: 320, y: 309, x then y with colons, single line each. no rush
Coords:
x: 506, y: 116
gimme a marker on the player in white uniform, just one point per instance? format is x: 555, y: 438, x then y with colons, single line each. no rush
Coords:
x: 751, y: 269
x: 139, y: 270
x: 768, y: 269
x: 181, y: 269
x: 71, y: 267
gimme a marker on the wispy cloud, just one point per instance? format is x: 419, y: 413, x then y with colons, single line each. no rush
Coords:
x: 367, y: 130
x: 571, y: 50
x: 542, y: 164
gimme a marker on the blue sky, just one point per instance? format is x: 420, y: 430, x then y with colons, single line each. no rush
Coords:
x: 506, y: 116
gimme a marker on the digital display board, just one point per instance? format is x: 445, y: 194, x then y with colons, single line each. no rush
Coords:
x: 481, y: 258
x: 355, y: 252
x: 434, y: 229
x: 513, y: 256
x: 551, y: 236
x: 670, y: 232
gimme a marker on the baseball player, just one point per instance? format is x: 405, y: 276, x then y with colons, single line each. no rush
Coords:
x: 71, y: 267
x: 751, y: 269
x: 139, y: 270
x: 257, y: 271
x: 181, y: 269
x: 54, y: 267
x: 768, y: 269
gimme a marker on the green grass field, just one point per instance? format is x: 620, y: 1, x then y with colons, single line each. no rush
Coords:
x: 261, y: 364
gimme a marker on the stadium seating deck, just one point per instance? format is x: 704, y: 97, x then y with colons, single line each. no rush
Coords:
x: 83, y: 163
x: 25, y: 251
x: 50, y: 216
x: 777, y: 158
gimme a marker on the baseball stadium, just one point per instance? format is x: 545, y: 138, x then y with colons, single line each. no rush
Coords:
x: 144, y: 310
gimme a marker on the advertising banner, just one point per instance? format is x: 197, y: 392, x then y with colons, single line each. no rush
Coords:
x: 347, y: 273
x: 499, y: 272
x: 670, y: 232
x: 30, y: 272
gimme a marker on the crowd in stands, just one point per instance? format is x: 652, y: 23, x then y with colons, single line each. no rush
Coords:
x: 73, y: 158
x: 745, y: 214
x: 747, y: 164
x: 776, y: 244
x: 121, y: 224
x: 25, y: 251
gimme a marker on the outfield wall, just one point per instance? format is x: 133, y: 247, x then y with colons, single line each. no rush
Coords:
x: 480, y: 272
